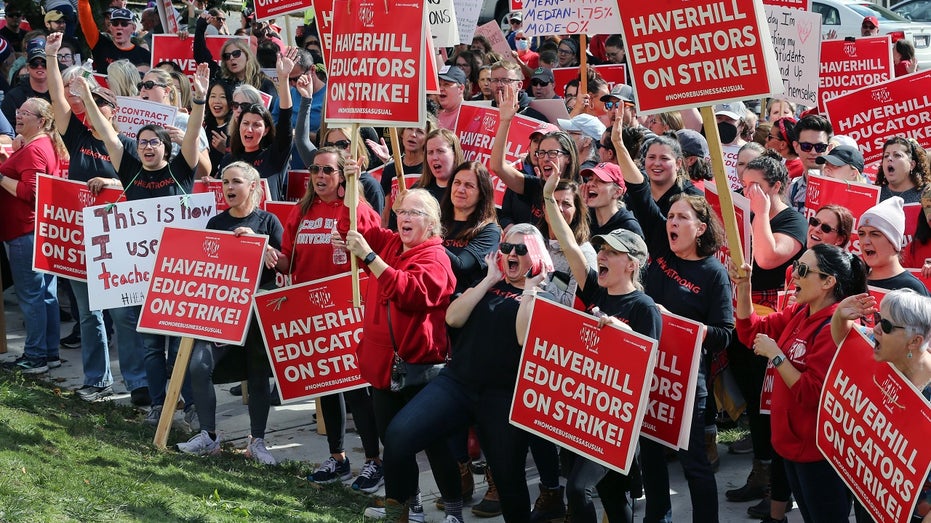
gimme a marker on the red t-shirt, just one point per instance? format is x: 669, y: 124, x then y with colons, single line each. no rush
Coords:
x: 17, y: 213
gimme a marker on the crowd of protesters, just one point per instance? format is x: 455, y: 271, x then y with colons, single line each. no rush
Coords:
x: 606, y: 214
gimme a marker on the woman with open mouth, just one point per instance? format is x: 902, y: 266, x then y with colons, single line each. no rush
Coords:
x: 614, y: 288
x: 686, y: 279
x: 903, y: 171
x: 238, y: 64
x: 798, y: 345
x: 881, y: 231
x: 217, y: 120
x: 151, y: 172
x: 902, y: 331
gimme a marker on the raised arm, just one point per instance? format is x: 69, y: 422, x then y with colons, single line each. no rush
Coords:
x: 770, y: 250
x: 56, y: 85
x: 507, y: 108
x: 103, y: 126
x: 305, y: 147
x: 88, y: 25
x: 189, y: 146
x: 283, y: 67
x: 628, y: 167
x: 461, y: 308
x: 558, y: 225
x: 847, y: 311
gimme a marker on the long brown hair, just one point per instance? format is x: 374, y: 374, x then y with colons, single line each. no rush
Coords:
x: 427, y: 177
x: 310, y: 194
x: 484, y: 212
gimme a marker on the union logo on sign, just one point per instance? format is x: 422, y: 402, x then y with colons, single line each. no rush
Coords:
x: 814, y: 192
x: 367, y: 14
x: 86, y: 198
x: 490, y: 123
x: 320, y: 297
x: 590, y: 337
x: 850, y: 49
x: 211, y: 247
x: 890, y: 391
x: 881, y: 95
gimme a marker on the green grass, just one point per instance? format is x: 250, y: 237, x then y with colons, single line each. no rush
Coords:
x: 62, y: 459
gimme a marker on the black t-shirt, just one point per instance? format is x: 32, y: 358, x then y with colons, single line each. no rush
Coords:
x: 665, y: 201
x: 906, y: 280
x: 486, y: 350
x: 388, y: 174
x: 106, y: 52
x: 622, y: 219
x: 89, y: 156
x: 261, y: 222
x: 140, y: 184
x: 372, y: 192
x: 467, y: 257
x: 634, y: 308
x: 791, y: 223
x: 269, y: 161
x: 15, y: 39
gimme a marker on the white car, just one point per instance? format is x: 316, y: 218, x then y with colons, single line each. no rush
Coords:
x: 842, y: 18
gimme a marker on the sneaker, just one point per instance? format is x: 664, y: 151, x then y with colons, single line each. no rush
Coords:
x: 414, y: 514
x: 92, y: 393
x: 371, y: 478
x: 236, y: 390
x: 191, y: 419
x: 71, y: 341
x: 257, y: 451
x: 200, y: 445
x: 26, y: 366
x: 54, y: 364
x: 331, y: 471
x: 140, y: 397
x: 452, y: 519
x: 154, y: 414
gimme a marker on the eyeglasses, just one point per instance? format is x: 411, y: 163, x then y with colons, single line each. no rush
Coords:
x: 21, y: 112
x: 245, y: 106
x: 232, y: 54
x: 802, y: 269
x: 539, y: 83
x: 340, y: 144
x: 514, y: 21
x: 37, y: 63
x: 519, y: 248
x: 149, y: 85
x: 825, y: 228
x: 413, y: 213
x: 520, y: 37
x: 120, y: 23
x: 294, y: 79
x: 505, y: 81
x: 868, y: 26
x: 552, y: 155
x: 145, y: 144
x: 65, y: 56
x: 327, y: 169
x: 563, y: 51
x: 808, y: 146
x: 884, y: 324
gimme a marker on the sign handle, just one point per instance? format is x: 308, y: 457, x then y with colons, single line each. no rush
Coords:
x: 352, y: 200
x: 724, y: 188
x: 174, y: 390
x: 583, y: 66
x: 398, y: 165
x: 2, y: 319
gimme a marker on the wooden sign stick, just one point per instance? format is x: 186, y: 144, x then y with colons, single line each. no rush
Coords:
x: 174, y: 390
x: 724, y: 189
x: 398, y: 165
x: 352, y: 200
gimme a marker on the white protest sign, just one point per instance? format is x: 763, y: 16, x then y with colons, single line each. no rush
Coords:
x: 546, y: 17
x: 796, y: 37
x: 443, y: 26
x: 133, y: 113
x: 467, y: 12
x: 121, y: 241
x: 168, y: 16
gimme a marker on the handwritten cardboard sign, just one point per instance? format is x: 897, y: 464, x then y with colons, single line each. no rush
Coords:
x: 796, y: 37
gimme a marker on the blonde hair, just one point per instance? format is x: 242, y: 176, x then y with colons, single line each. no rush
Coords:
x: 174, y: 98
x: 250, y: 174
x: 44, y: 111
x: 251, y: 74
x: 122, y: 76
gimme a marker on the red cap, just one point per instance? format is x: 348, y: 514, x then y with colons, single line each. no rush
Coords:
x: 606, y: 172
x: 871, y: 19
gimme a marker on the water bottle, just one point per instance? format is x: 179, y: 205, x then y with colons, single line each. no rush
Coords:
x: 87, y: 70
x: 339, y: 254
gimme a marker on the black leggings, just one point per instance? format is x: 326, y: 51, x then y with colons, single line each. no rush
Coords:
x: 363, y: 415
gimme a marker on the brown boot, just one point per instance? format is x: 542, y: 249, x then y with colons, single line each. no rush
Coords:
x: 468, y: 482
x: 756, y: 486
x: 395, y: 511
x: 490, y: 505
x: 711, y: 450
x: 549, y: 506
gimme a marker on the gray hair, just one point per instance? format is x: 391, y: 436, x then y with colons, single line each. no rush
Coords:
x: 431, y: 206
x: 912, y: 310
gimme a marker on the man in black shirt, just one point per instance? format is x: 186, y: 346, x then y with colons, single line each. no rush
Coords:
x: 119, y: 45
x: 11, y: 31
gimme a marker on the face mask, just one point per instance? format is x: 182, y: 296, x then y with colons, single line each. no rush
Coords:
x: 522, y: 45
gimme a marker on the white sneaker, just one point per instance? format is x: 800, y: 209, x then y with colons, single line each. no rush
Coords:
x: 413, y: 516
x: 257, y: 451
x: 452, y: 519
x: 191, y: 419
x: 201, y: 445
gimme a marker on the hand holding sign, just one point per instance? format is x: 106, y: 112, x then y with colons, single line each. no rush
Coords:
x: 357, y: 245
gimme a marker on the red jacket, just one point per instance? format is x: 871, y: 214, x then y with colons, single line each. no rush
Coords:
x: 807, y: 343
x: 416, y: 286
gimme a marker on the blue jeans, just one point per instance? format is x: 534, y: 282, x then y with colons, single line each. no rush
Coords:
x: 38, y: 299
x: 703, y: 489
x: 821, y: 494
x: 442, y: 408
x: 94, y: 351
x: 158, y: 368
x: 129, y: 346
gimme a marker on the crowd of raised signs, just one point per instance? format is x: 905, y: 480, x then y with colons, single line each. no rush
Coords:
x: 606, y: 212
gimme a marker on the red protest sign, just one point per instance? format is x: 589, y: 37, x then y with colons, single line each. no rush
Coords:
x: 612, y: 73
x: 913, y: 213
x: 699, y: 53
x: 376, y: 73
x: 871, y: 115
x: 476, y: 128
x: 202, y: 285
x: 265, y: 9
x: 742, y: 213
x: 297, y: 184
x: 311, y: 332
x: 672, y: 390
x: 59, y: 245
x: 873, y: 427
x: 323, y: 17
x: 216, y: 187
x: 281, y: 210
x: 583, y: 387
x: 847, y: 65
x: 409, y: 180
x: 171, y: 48
x: 857, y: 197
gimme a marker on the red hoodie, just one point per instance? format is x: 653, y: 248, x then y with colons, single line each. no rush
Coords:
x: 807, y: 343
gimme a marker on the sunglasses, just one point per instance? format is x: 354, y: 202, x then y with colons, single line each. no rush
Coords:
x: 245, y: 106
x: 149, y: 84
x: 868, y: 26
x: 539, y: 83
x: 120, y: 23
x: 803, y: 270
x: 808, y: 146
x: 825, y: 228
x: 520, y: 37
x: 327, y: 169
x: 232, y: 54
x: 341, y: 144
x: 519, y: 248
x: 884, y: 324
x: 37, y: 63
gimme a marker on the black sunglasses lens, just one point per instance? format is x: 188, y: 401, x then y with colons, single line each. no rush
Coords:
x: 519, y: 248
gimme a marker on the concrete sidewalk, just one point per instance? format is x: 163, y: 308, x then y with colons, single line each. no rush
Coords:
x: 292, y: 435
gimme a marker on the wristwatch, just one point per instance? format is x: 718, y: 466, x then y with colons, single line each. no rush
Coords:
x: 369, y: 258
x: 777, y: 360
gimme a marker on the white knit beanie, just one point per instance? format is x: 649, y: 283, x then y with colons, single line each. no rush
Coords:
x: 888, y: 216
